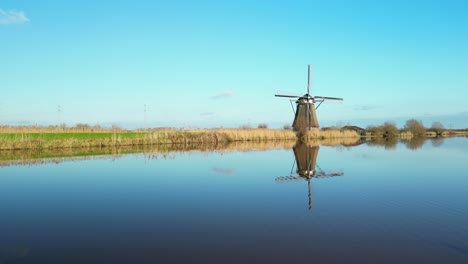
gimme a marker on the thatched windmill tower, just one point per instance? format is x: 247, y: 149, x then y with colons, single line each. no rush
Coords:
x: 306, y: 167
x: 305, y: 114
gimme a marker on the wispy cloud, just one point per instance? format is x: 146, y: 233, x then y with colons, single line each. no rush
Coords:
x: 365, y: 107
x: 207, y: 114
x: 224, y: 94
x: 12, y: 17
x: 223, y: 171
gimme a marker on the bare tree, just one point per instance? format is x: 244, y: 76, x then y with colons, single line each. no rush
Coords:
x: 390, y: 130
x: 415, y: 127
x: 387, y: 130
x: 437, y: 127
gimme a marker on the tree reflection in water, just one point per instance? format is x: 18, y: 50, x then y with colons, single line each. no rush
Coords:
x: 388, y: 143
x: 437, y: 142
x: 414, y: 142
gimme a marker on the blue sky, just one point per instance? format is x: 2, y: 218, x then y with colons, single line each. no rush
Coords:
x: 219, y: 63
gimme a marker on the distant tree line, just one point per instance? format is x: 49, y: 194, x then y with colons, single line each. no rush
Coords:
x: 412, y: 126
x: 79, y: 127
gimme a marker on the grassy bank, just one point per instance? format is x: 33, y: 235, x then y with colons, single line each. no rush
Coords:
x: 56, y: 140
x: 41, y: 138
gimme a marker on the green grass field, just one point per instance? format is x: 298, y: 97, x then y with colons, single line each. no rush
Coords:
x: 72, y: 135
x: 73, y: 139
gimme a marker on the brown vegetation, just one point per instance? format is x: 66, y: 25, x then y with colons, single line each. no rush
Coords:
x: 412, y: 128
x: 415, y: 127
x: 387, y: 130
x: 45, y: 139
x: 86, y: 136
x: 330, y: 134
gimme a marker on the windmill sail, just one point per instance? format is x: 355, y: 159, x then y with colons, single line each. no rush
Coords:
x: 305, y: 116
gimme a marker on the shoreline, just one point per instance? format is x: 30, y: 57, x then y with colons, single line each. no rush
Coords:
x: 43, y: 138
x: 51, y: 139
x: 59, y: 155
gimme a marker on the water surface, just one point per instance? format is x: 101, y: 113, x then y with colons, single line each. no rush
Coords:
x: 400, y: 203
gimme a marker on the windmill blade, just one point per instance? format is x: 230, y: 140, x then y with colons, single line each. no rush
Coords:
x: 308, y: 79
x: 337, y: 173
x: 289, y: 96
x: 288, y: 178
x: 328, y: 98
x: 323, y: 174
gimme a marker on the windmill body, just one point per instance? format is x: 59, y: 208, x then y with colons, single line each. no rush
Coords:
x: 305, y: 116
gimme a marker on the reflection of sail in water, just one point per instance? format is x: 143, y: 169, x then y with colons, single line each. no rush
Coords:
x: 306, y: 167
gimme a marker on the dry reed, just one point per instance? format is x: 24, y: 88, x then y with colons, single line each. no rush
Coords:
x: 37, y: 138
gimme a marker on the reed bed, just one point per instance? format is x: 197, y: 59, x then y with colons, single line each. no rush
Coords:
x: 333, y: 134
x: 37, y: 138
x: 73, y: 139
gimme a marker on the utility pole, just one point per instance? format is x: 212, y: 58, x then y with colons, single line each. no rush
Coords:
x: 59, y: 115
x: 144, y: 120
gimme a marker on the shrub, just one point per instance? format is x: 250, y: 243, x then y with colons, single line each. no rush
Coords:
x: 415, y: 127
x: 263, y: 126
x: 390, y: 130
x: 438, y: 128
x: 375, y: 130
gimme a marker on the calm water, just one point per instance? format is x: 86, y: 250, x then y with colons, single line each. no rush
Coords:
x: 364, y: 204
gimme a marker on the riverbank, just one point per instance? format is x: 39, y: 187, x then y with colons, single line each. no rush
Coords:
x: 52, y: 139
x: 42, y: 156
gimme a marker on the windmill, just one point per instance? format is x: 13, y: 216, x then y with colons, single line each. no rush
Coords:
x: 307, y: 168
x: 305, y: 114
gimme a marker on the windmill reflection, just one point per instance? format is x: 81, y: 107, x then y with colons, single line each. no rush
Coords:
x: 306, y: 167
